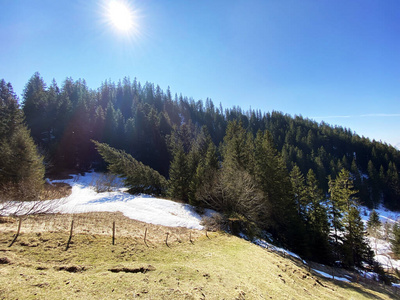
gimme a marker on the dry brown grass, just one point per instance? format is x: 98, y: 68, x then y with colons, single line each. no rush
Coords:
x: 100, y: 223
x: 219, y: 266
x: 56, y: 190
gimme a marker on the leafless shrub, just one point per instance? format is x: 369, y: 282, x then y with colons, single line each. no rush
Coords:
x: 216, y: 222
x: 232, y: 192
x: 55, y: 190
x: 104, y: 182
x: 24, y: 199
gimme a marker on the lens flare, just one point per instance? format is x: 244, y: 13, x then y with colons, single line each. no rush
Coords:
x: 121, y: 15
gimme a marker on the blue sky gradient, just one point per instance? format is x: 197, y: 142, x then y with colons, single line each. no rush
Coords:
x: 333, y: 61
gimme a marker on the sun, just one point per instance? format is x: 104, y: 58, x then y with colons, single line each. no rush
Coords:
x: 121, y: 15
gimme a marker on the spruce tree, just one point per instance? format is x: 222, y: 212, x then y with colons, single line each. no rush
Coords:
x: 373, y: 220
x: 179, y: 177
x: 35, y: 107
x: 21, y: 167
x: 299, y: 191
x: 317, y: 220
x: 138, y: 177
x: 278, y: 214
x: 345, y: 216
x: 395, y: 242
x: 355, y: 247
x: 237, y: 148
x: 206, y: 171
x: 393, y: 187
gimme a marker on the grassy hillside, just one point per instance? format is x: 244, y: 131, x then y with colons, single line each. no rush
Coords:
x: 219, y: 266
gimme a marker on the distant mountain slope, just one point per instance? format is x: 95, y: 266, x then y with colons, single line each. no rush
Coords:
x: 144, y: 120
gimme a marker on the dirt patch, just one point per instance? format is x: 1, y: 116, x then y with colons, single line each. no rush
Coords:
x: 132, y: 270
x: 71, y: 269
x: 5, y: 261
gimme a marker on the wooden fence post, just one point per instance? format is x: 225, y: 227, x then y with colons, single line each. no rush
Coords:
x: 145, y: 235
x: 166, y: 240
x: 190, y: 237
x: 70, y: 235
x: 113, y: 233
x: 17, y: 234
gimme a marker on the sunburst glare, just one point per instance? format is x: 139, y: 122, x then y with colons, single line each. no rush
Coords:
x: 122, y: 17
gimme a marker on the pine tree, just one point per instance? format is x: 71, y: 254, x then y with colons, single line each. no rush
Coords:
x: 179, y: 177
x: 278, y: 214
x: 205, y: 173
x: 299, y: 190
x: 138, y: 177
x: 392, y: 193
x: 237, y: 148
x: 337, y: 202
x: 317, y: 220
x: 373, y: 220
x: 35, y: 107
x: 355, y: 247
x: 345, y: 216
x: 373, y: 183
x: 21, y: 167
x: 395, y: 242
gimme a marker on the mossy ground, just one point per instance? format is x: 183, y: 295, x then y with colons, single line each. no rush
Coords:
x: 220, y: 266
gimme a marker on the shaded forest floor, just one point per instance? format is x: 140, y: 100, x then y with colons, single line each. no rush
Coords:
x: 170, y: 263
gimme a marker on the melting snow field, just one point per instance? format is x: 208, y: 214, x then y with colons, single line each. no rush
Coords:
x: 144, y: 208
x: 380, y: 245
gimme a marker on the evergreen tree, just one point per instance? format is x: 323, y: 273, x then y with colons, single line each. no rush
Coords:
x: 21, y: 167
x: 317, y: 220
x: 299, y: 190
x: 355, y: 247
x: 373, y: 184
x: 205, y: 170
x: 237, y: 148
x: 35, y: 107
x: 232, y: 188
x: 278, y: 214
x: 373, y: 220
x: 346, y: 217
x: 138, y: 177
x: 179, y: 177
x: 337, y: 203
x: 196, y: 157
x: 392, y: 193
x: 395, y: 242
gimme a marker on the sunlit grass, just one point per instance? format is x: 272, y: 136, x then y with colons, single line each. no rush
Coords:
x: 220, y: 266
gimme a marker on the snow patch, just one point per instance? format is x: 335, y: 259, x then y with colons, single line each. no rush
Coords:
x: 143, y: 208
x: 330, y: 276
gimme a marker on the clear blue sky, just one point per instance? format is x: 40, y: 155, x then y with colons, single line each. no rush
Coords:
x: 337, y: 61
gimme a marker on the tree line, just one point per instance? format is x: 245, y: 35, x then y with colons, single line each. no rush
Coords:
x: 145, y: 121
x: 288, y: 175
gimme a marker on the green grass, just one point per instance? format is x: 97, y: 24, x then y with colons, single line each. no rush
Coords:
x: 219, y: 267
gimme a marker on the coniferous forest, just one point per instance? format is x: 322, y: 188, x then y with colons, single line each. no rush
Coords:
x: 299, y: 180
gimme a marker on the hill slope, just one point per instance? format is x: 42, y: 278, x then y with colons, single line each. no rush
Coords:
x: 214, y: 267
